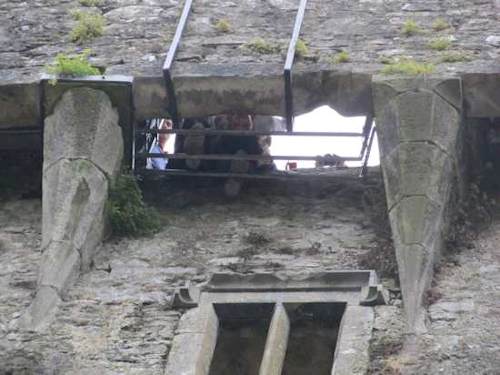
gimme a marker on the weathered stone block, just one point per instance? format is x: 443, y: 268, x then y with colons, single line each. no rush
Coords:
x: 60, y: 266
x: 150, y: 97
x: 41, y: 312
x: 418, y: 122
x: 193, y: 347
x: 481, y: 95
x: 19, y: 105
x: 417, y: 168
x: 84, y: 125
x: 83, y: 150
x: 352, y: 350
x: 416, y: 220
x: 276, y: 344
x: 418, y: 116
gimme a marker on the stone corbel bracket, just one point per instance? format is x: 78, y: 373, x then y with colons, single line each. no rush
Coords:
x: 419, y: 124
x: 194, y: 344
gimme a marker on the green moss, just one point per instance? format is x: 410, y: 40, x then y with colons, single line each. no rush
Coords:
x: 89, y: 25
x: 223, y: 26
x: 90, y: 3
x: 454, y: 57
x: 128, y: 214
x: 386, y: 60
x: 341, y: 57
x: 301, y: 48
x: 440, y: 24
x: 410, y: 28
x: 408, y: 67
x: 440, y: 44
x: 259, y: 45
x: 72, y: 66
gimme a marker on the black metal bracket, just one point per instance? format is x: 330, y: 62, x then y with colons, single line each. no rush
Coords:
x: 290, y: 57
x: 169, y: 60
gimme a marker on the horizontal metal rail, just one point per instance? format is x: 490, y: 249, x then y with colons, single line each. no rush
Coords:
x: 20, y: 131
x: 248, y: 133
x: 279, y: 175
x: 247, y: 157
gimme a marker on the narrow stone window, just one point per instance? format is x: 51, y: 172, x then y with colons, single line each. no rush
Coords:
x: 314, y: 328
x: 260, y: 324
x: 242, y: 337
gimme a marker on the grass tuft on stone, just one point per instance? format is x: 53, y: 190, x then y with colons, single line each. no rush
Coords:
x: 128, y: 214
x: 341, y: 58
x: 455, y: 57
x: 408, y: 67
x: 72, y: 66
x: 260, y: 46
x: 301, y: 48
x: 440, y: 44
x: 89, y: 25
x: 410, y: 28
x: 90, y: 3
x: 440, y: 24
x: 386, y: 60
x: 223, y: 26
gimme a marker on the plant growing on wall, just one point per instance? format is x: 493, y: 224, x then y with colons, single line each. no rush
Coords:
x: 259, y: 45
x: 72, y: 66
x: 89, y: 25
x: 90, y: 3
x: 223, y: 26
x: 341, y: 57
x: 408, y: 67
x: 440, y: 44
x: 440, y: 24
x: 454, y: 57
x: 301, y: 48
x: 128, y: 214
x: 410, y: 28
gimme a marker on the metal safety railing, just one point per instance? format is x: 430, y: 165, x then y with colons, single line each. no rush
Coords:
x: 367, y: 134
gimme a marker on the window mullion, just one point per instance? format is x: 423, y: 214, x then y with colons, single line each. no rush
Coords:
x: 276, y: 343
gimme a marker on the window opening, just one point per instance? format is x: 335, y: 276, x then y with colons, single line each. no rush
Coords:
x: 252, y: 146
x: 261, y: 324
x: 314, y: 328
x: 242, y: 338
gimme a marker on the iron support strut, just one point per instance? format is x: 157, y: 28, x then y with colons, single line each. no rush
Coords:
x: 169, y: 60
x: 290, y: 57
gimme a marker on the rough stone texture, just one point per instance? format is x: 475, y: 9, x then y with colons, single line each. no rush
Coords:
x: 464, y: 331
x: 116, y: 318
x: 481, y: 95
x: 194, y: 343
x: 83, y: 149
x: 18, y: 113
x: 214, y: 72
x: 138, y: 33
x: 352, y: 348
x: 418, y: 129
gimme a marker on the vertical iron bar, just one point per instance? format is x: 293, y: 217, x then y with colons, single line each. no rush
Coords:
x: 364, y: 168
x: 290, y: 56
x: 366, y: 132
x: 41, y: 89
x: 169, y: 60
